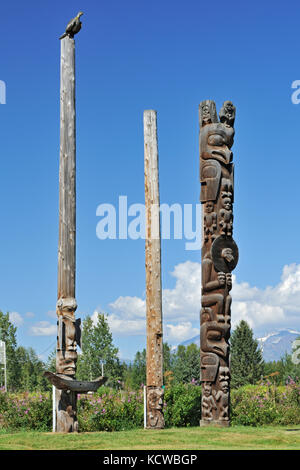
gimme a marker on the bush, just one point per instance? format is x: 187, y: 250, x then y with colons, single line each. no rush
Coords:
x: 255, y: 405
x: 182, y: 405
x: 26, y: 410
x: 116, y: 410
x: 110, y: 410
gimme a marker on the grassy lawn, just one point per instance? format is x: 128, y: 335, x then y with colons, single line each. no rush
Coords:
x: 233, y: 438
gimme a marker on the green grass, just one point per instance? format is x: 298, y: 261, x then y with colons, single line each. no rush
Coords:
x: 233, y: 438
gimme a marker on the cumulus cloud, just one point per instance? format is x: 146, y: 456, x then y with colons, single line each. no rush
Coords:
x: 175, y: 334
x: 276, y: 306
x: 16, y: 319
x: 43, y: 328
x: 273, y: 306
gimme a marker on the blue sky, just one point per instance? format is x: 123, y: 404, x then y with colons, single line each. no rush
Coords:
x: 132, y: 56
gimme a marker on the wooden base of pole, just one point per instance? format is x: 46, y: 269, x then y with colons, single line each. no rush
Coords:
x: 66, y: 406
x: 154, y: 412
x: 217, y: 423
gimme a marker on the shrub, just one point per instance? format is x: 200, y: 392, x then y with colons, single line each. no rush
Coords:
x: 116, y: 410
x: 255, y: 405
x: 26, y: 410
x: 110, y: 410
x: 182, y: 405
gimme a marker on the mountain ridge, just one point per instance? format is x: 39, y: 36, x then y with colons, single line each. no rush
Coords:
x: 273, y: 345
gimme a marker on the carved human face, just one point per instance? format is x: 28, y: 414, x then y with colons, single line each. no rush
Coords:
x: 206, y: 113
x: 228, y: 108
x: 209, y: 207
x: 226, y: 203
x: 66, y: 363
x: 207, y: 390
x: 224, y: 386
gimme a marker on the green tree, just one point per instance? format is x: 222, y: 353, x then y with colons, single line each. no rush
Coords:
x: 245, y: 356
x: 8, y: 335
x: 167, y: 357
x: 98, y: 347
x: 31, y: 371
x: 138, y: 371
x: 285, y: 370
x: 186, y: 364
x: 51, y: 361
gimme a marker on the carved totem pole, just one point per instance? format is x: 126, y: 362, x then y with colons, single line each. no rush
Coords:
x: 154, y: 367
x: 68, y: 328
x: 219, y: 258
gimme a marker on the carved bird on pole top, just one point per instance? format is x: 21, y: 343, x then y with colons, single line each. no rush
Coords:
x: 73, y: 27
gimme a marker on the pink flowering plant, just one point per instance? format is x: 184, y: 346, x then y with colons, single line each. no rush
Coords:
x: 265, y: 404
x: 110, y: 410
x: 26, y: 411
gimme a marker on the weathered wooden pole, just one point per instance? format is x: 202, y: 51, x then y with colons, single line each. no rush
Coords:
x: 68, y: 328
x: 154, y: 367
x: 219, y: 257
x: 66, y: 356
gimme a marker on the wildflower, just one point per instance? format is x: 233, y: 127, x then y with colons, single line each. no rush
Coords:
x: 103, y: 411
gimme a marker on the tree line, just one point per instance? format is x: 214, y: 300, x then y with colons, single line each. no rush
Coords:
x: 181, y: 364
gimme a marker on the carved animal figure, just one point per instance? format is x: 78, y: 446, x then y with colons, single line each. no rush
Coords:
x: 73, y: 27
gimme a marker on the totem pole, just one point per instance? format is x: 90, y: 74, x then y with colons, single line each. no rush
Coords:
x: 154, y: 367
x: 68, y: 336
x: 219, y: 258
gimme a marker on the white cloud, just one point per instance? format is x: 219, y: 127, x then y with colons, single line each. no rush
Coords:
x: 16, y: 319
x: 277, y: 306
x: 273, y: 306
x: 43, y: 328
x: 131, y: 307
x: 175, y: 334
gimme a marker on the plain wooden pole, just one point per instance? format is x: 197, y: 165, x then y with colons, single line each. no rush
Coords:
x: 154, y: 366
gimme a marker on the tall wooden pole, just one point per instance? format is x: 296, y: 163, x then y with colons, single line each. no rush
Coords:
x: 68, y: 329
x: 66, y: 356
x: 154, y: 390
x: 219, y: 258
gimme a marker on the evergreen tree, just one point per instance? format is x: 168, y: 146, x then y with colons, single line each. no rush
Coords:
x: 98, y: 347
x: 186, y: 363
x: 167, y: 357
x: 245, y: 356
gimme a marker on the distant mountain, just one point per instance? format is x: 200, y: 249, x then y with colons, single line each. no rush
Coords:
x: 195, y: 339
x: 274, y: 345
